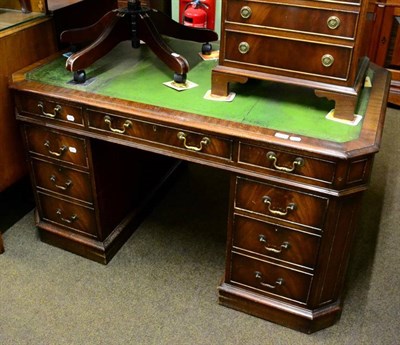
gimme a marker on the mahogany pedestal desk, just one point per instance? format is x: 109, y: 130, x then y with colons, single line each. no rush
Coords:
x: 98, y: 152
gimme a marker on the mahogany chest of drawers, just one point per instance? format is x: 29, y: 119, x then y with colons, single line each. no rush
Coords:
x: 309, y: 43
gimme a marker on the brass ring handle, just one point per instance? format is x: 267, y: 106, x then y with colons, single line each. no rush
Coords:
x: 57, y: 154
x: 71, y: 219
x: 56, y: 110
x: 284, y: 245
x: 204, y: 142
x: 297, y: 162
x: 278, y: 282
x: 327, y: 60
x: 127, y: 124
x: 333, y: 22
x: 291, y: 207
x: 244, y: 47
x: 245, y: 12
x: 68, y: 183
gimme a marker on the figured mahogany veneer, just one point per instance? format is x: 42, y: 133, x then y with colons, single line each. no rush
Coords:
x: 315, y: 44
x: 96, y: 161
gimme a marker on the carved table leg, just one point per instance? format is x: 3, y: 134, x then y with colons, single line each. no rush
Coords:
x: 116, y: 32
x: 149, y: 34
x: 89, y: 33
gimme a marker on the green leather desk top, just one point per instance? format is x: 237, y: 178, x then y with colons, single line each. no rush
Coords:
x: 138, y: 75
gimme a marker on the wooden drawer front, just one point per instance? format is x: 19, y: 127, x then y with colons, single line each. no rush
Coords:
x: 189, y: 141
x: 281, y: 203
x: 293, y: 18
x: 275, y: 241
x: 282, y: 53
x: 269, y: 278
x: 287, y: 163
x: 50, y: 109
x: 56, y: 145
x: 59, y: 179
x: 69, y: 215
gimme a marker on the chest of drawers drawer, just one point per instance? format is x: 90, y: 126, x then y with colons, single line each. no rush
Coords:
x: 65, y: 181
x: 56, y: 145
x: 269, y: 278
x: 285, y: 204
x: 48, y: 109
x: 260, y: 52
x: 287, y: 164
x: 319, y: 21
x: 161, y: 135
x: 270, y: 240
x: 66, y: 214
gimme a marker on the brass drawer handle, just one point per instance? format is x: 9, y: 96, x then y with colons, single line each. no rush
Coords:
x: 57, y: 154
x: 56, y: 110
x: 291, y: 207
x: 71, y: 219
x: 297, y: 162
x: 327, y: 60
x: 333, y: 22
x: 278, y: 282
x: 284, y: 245
x: 204, y: 142
x: 67, y: 184
x: 127, y: 124
x: 245, y: 12
x: 244, y: 47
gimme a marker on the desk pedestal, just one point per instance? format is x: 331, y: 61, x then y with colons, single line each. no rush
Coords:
x: 90, y: 194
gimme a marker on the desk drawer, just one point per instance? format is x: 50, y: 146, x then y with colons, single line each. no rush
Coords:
x: 286, y: 164
x: 264, y: 52
x: 270, y: 278
x: 274, y: 241
x: 49, y: 109
x: 293, y: 18
x: 281, y: 203
x: 55, y: 145
x: 72, y: 216
x: 157, y: 134
x: 65, y: 181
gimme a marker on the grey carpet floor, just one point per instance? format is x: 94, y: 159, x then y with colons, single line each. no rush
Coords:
x: 161, y: 286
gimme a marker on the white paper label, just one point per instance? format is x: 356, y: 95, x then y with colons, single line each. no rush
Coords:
x: 282, y: 135
x: 295, y: 138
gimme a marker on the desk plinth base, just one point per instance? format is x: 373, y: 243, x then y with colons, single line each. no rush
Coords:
x: 99, y: 251
x: 285, y: 314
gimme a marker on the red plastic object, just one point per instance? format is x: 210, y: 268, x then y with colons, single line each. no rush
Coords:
x: 196, y: 15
